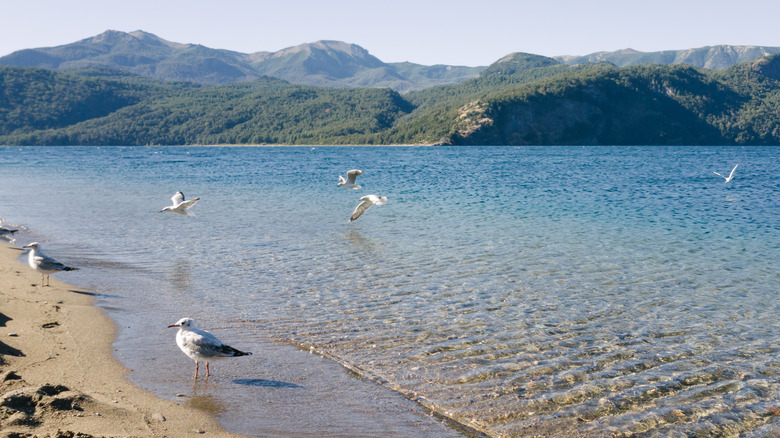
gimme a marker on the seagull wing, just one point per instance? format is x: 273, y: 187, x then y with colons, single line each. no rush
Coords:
x: 227, y: 350
x: 716, y: 173
x: 208, y: 345
x: 365, y: 203
x: 177, y: 199
x: 352, y: 174
x: 45, y: 263
x: 185, y: 205
x: 732, y: 171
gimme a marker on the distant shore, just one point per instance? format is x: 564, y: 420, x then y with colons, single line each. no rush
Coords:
x: 57, y: 374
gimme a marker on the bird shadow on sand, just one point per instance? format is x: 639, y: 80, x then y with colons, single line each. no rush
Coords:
x: 5, y: 349
x: 266, y: 383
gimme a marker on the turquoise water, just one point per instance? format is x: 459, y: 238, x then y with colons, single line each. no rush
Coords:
x: 535, y: 290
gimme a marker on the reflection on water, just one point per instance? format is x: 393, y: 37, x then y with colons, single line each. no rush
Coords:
x: 360, y: 243
x: 208, y: 403
x: 179, y: 275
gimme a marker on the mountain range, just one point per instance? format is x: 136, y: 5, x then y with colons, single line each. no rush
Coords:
x: 323, y: 63
x: 710, y: 57
x: 137, y: 89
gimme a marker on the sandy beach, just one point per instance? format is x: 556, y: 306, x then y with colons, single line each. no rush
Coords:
x: 57, y: 374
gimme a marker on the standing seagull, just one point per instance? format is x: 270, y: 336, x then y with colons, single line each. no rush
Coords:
x: 365, y: 203
x: 350, y: 183
x: 731, y: 175
x: 180, y: 206
x: 43, y: 263
x: 202, y: 346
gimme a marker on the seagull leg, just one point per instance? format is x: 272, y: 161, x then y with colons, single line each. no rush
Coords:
x: 208, y: 373
x: 196, y: 370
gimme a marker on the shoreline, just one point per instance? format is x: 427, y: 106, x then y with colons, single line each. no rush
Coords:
x: 57, y: 371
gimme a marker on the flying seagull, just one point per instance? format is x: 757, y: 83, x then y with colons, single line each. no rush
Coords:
x: 43, y: 263
x: 365, y: 203
x: 731, y: 175
x: 350, y: 183
x: 180, y: 206
x: 202, y: 346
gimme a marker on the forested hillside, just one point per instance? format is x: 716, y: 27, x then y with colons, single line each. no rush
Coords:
x: 604, y: 104
x: 47, y: 108
x: 521, y: 99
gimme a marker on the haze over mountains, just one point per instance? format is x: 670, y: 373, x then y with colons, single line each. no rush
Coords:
x: 323, y: 63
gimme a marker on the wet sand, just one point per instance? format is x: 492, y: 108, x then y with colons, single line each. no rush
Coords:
x: 57, y: 374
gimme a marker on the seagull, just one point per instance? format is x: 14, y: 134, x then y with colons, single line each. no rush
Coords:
x: 731, y: 175
x: 43, y: 263
x: 180, y: 206
x: 350, y: 183
x: 365, y: 203
x: 202, y: 346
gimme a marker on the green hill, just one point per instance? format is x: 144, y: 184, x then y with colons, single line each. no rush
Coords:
x: 521, y: 99
x: 47, y: 108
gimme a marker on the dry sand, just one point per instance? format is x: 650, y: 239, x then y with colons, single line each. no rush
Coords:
x: 58, y: 377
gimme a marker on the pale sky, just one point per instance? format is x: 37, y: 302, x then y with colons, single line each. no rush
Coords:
x: 454, y: 32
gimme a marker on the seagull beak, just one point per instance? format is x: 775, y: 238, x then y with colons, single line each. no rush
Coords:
x: 174, y: 325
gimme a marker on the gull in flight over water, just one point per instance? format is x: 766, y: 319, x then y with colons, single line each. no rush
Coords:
x: 365, y: 203
x: 349, y: 182
x: 731, y: 175
x: 43, y: 263
x: 202, y: 346
x: 180, y: 206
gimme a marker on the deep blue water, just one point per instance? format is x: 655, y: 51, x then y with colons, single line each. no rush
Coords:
x: 521, y: 290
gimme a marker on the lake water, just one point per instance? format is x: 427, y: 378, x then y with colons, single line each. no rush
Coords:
x: 546, y: 291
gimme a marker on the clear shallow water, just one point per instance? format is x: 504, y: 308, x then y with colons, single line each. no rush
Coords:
x: 522, y: 291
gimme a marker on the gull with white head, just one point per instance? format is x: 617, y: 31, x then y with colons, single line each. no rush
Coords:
x: 349, y: 182
x: 731, y: 175
x: 43, y: 263
x: 365, y: 203
x: 202, y: 346
x: 180, y: 206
